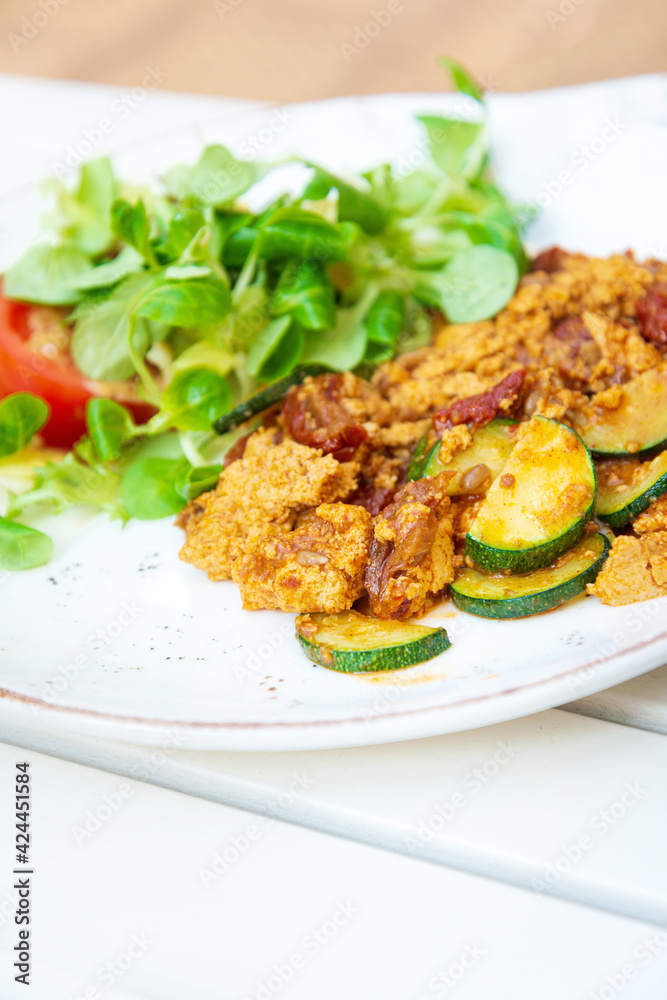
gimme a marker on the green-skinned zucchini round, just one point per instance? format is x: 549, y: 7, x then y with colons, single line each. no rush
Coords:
x: 638, y: 426
x: 491, y: 446
x: 265, y: 398
x: 353, y: 643
x: 619, y: 504
x: 532, y: 593
x: 540, y: 504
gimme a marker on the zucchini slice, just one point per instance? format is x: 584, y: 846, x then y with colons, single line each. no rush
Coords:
x: 638, y: 426
x: 265, y: 398
x: 354, y: 643
x: 491, y: 446
x: 621, y: 503
x: 540, y: 504
x: 532, y: 593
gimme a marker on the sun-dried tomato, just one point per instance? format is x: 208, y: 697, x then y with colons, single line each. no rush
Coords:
x: 314, y: 416
x: 371, y: 498
x: 550, y: 260
x: 480, y: 409
x: 236, y: 451
x: 573, y: 330
x: 652, y: 315
x: 397, y: 575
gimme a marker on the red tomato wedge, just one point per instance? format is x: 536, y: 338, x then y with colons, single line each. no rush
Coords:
x: 47, y: 370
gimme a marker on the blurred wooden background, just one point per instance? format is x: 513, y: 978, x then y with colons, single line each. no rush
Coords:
x: 288, y: 50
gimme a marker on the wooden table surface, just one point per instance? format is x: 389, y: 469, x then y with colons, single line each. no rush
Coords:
x: 287, y: 50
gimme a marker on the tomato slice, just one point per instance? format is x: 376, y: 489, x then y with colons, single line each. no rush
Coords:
x: 49, y: 372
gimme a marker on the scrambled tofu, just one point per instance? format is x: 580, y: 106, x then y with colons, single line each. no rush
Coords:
x: 259, y: 494
x: 635, y: 570
x: 654, y: 517
x: 317, y: 567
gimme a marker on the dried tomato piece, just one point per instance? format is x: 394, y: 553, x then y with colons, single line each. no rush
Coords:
x: 652, y: 315
x: 550, y: 260
x: 314, y: 416
x: 480, y: 409
x: 411, y: 554
x: 573, y: 330
x: 371, y: 498
x: 236, y: 451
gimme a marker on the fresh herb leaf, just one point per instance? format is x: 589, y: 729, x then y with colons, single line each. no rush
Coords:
x: 71, y: 482
x: 191, y: 481
x: 354, y: 205
x: 82, y: 217
x: 385, y: 318
x: 47, y: 275
x: 22, y: 547
x: 130, y: 223
x: 305, y: 291
x: 21, y: 416
x: 188, y: 302
x: 341, y: 348
x: 473, y: 286
x: 109, y: 426
x: 128, y: 261
x: 216, y: 179
x: 183, y: 227
x: 292, y: 232
x: 109, y: 335
x: 194, y: 399
x: 276, y: 350
x: 462, y: 79
x: 458, y: 147
x: 148, y: 488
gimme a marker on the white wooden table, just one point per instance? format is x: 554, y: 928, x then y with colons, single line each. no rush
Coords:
x: 519, y: 861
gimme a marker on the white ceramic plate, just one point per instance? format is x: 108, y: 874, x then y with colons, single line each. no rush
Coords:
x: 116, y: 638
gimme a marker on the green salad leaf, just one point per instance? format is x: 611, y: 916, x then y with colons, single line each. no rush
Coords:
x: 148, y: 489
x: 305, y: 291
x: 21, y: 416
x: 195, y: 399
x: 22, y: 547
x: 109, y: 427
x: 111, y: 334
x: 47, y: 275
